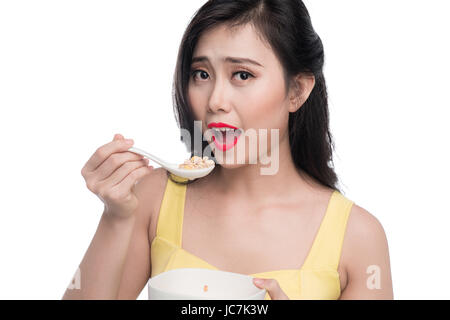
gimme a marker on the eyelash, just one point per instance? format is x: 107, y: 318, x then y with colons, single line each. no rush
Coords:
x: 237, y: 72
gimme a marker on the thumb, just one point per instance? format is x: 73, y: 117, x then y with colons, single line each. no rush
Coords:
x: 272, y: 287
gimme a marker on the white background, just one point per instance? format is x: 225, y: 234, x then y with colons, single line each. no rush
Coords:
x: 74, y: 73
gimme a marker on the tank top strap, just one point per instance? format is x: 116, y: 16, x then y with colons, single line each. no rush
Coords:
x: 327, y: 246
x: 170, y: 220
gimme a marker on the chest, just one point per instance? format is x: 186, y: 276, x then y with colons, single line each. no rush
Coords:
x: 250, y: 238
x: 244, y: 239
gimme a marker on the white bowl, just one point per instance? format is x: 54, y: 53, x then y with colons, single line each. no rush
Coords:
x: 203, y: 284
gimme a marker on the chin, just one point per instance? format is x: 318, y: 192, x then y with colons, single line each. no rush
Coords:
x: 228, y: 159
x: 231, y: 165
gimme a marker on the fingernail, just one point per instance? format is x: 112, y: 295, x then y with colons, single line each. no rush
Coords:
x: 258, y: 281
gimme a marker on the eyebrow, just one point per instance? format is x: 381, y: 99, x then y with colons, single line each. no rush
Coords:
x: 228, y: 59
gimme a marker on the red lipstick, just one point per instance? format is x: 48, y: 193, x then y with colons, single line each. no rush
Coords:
x: 221, y: 125
x: 221, y: 142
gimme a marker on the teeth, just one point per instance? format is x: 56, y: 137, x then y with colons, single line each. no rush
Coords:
x: 224, y: 129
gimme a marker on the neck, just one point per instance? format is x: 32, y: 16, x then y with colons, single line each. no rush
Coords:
x: 247, y: 182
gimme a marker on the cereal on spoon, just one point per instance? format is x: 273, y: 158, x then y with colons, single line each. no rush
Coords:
x: 196, y: 162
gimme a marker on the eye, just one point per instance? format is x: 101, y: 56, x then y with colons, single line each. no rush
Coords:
x: 244, y: 75
x: 203, y: 74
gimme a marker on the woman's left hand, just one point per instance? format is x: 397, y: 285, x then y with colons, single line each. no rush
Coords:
x: 272, y: 287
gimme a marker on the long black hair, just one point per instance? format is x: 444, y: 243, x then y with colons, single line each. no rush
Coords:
x: 286, y: 26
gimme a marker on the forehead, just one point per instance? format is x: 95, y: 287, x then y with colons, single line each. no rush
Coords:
x: 241, y: 41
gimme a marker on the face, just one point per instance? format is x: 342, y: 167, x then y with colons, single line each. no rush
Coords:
x: 236, y: 79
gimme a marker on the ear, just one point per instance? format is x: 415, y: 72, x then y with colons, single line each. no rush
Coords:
x: 301, y: 88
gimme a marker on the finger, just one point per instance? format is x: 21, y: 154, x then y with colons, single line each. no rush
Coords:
x: 115, y: 161
x: 122, y: 172
x: 102, y: 153
x: 130, y: 180
x: 118, y: 136
x: 273, y: 288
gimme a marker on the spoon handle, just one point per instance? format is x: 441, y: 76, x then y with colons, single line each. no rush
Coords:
x: 150, y: 156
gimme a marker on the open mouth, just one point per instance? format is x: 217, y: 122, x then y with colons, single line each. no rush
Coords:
x: 225, y: 138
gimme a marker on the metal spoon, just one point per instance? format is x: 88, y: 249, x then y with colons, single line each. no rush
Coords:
x: 190, y: 174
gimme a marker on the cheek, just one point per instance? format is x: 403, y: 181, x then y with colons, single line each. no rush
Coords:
x: 197, y: 101
x: 265, y: 108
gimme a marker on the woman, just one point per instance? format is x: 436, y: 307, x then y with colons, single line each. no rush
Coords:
x: 249, y: 65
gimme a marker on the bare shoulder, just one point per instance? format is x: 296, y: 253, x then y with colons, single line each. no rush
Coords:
x: 365, y: 251
x: 150, y: 190
x: 364, y: 226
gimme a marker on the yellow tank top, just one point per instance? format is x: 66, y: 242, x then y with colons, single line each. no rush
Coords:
x: 318, y: 278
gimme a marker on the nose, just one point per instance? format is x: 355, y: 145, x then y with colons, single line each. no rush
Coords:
x: 218, y: 101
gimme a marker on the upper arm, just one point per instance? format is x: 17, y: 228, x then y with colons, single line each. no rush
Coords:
x: 366, y: 258
x: 137, y: 267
